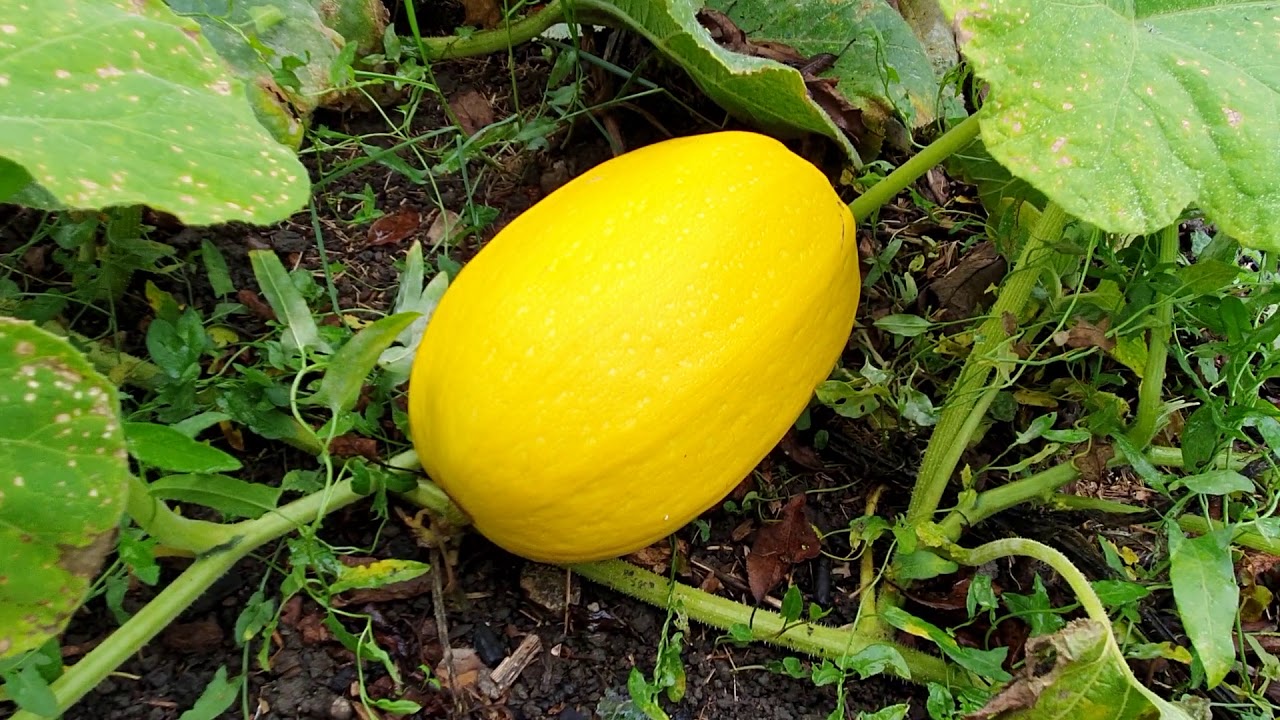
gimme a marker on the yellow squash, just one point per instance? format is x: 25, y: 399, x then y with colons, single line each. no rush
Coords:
x: 622, y: 354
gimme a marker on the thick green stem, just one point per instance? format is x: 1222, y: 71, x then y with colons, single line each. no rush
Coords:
x: 919, y: 164
x: 171, y: 529
x: 997, y: 549
x: 967, y: 398
x: 194, y: 581
x: 1151, y: 391
x: 767, y: 626
x: 497, y: 39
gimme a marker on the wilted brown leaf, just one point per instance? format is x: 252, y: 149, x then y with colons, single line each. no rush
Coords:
x: 351, y: 445
x: 1084, y: 334
x: 779, y: 546
x: 444, y: 226
x: 966, y: 287
x: 472, y: 110
x: 805, y: 456
x: 260, y: 309
x: 392, y: 228
x: 1093, y: 463
x: 481, y: 13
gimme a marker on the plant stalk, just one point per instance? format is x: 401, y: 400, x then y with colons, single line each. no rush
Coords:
x: 1151, y: 390
x: 930, y: 156
x: 812, y: 639
x: 955, y: 427
x: 1005, y: 547
x: 154, y: 516
x: 94, y: 667
x: 495, y: 40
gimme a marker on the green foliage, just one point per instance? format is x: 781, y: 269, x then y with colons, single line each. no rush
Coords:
x: 1126, y: 114
x: 63, y: 485
x: 83, y: 82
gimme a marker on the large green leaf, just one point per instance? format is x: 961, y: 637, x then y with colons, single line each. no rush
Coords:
x: 882, y: 67
x: 1124, y: 118
x: 120, y: 102
x: 286, y: 50
x: 764, y: 93
x: 64, y: 475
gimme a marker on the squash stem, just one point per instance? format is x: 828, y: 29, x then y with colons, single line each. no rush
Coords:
x: 94, y: 667
x: 485, y: 42
x: 930, y: 156
x: 191, y: 537
x: 1151, y: 391
x: 767, y: 626
x: 968, y: 399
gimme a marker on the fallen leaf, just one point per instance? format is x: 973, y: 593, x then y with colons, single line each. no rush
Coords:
x: 260, y: 309
x: 1084, y: 334
x: 351, y: 445
x: 655, y: 558
x: 392, y: 228
x: 466, y: 671
x: 779, y: 546
x: 1093, y: 463
x: 481, y: 13
x: 472, y: 110
x: 966, y: 287
x: 444, y: 227
x: 805, y: 456
x: 201, y: 636
x: 402, y: 590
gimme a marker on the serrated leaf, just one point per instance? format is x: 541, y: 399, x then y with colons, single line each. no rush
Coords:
x: 121, y: 102
x: 763, y: 93
x: 986, y: 663
x: 377, y: 574
x: 1207, y: 594
x: 1126, y: 113
x: 880, y: 64
x: 346, y: 373
x: 300, y: 331
x: 168, y: 449
x: 229, y: 496
x: 64, y: 476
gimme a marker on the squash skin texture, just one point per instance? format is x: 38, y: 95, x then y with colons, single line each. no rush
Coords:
x: 621, y: 355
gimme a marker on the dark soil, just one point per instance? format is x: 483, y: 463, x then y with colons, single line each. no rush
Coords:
x: 587, y: 649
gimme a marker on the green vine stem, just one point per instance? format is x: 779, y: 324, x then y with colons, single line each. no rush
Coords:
x: 961, y: 414
x: 495, y: 40
x: 94, y: 667
x: 188, y: 536
x: 1006, y: 547
x: 930, y: 156
x: 1151, y: 390
x: 767, y: 626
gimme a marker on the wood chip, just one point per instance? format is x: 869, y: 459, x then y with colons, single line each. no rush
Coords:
x: 509, y: 670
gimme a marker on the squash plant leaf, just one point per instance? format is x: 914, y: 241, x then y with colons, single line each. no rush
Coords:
x: 881, y: 66
x: 1078, y: 672
x: 286, y: 50
x: 64, y: 475
x: 1124, y: 118
x: 121, y: 102
x: 761, y: 92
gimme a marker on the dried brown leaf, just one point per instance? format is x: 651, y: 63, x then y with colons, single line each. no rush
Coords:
x: 481, y: 13
x: 1093, y: 463
x: 1084, y: 334
x: 351, y: 445
x: 260, y: 309
x: 444, y: 227
x: 966, y: 287
x: 394, y: 227
x: 472, y: 109
x: 779, y: 546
